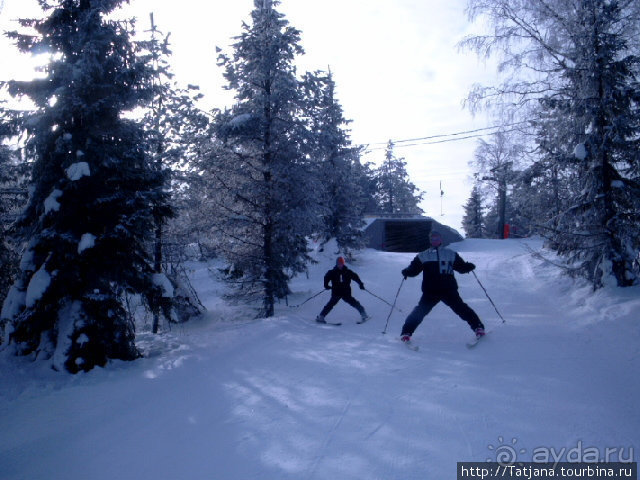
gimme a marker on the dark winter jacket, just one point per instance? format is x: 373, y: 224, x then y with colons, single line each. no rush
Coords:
x: 340, y: 279
x: 437, y: 266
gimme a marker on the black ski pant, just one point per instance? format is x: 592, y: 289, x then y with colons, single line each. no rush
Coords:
x: 336, y: 297
x: 429, y: 300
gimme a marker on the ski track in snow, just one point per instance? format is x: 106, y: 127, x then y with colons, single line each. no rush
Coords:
x: 227, y: 397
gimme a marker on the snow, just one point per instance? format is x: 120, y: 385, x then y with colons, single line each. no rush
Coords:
x: 240, y: 120
x: 51, y: 202
x: 87, y: 241
x: 78, y: 170
x: 27, y: 261
x: 13, y: 303
x: 68, y: 317
x: 580, y: 151
x: 38, y: 284
x: 230, y: 397
x: 161, y: 280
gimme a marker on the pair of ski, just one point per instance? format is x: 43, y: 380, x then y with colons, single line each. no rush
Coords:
x: 470, y: 344
x: 337, y: 324
x: 409, y: 345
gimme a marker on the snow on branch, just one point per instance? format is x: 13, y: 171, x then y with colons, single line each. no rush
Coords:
x: 78, y: 170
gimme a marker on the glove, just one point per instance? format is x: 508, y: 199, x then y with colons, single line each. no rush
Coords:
x: 404, y: 273
x: 362, y: 286
x: 470, y: 267
x: 327, y: 287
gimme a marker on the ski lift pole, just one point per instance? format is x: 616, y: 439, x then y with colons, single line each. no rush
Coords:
x: 392, y: 307
x: 381, y: 299
x: 485, y: 292
x: 310, y: 298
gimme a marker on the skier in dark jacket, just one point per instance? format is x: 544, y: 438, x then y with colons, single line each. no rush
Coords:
x: 438, y: 284
x: 340, y: 279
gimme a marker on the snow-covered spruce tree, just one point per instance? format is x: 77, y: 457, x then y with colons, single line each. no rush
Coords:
x: 173, y: 123
x: 366, y: 175
x: 606, y: 211
x: 337, y: 162
x: 91, y: 215
x: 579, y: 58
x: 473, y: 219
x: 267, y: 193
x: 396, y: 193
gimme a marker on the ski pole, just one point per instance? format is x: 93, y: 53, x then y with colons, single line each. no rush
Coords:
x: 485, y: 292
x: 392, y: 307
x: 310, y: 298
x: 381, y: 299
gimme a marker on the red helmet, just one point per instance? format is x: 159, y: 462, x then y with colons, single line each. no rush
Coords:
x: 340, y: 262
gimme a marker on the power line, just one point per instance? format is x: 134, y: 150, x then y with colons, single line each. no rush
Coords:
x: 460, y: 133
x: 445, y: 140
x: 464, y: 132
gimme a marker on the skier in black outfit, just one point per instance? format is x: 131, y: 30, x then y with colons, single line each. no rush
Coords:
x: 438, y: 284
x: 340, y: 278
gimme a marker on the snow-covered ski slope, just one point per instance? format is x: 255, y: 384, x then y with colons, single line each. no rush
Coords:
x: 230, y: 398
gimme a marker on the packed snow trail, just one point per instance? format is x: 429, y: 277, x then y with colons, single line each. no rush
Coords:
x: 228, y: 398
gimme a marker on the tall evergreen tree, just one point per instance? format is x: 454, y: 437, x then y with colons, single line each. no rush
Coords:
x: 342, y: 200
x: 473, y: 219
x: 92, y: 209
x: 266, y: 192
x: 173, y: 125
x: 396, y: 193
x: 607, y: 208
x: 366, y: 175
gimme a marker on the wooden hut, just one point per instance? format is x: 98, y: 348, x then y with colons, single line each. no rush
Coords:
x: 405, y: 233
